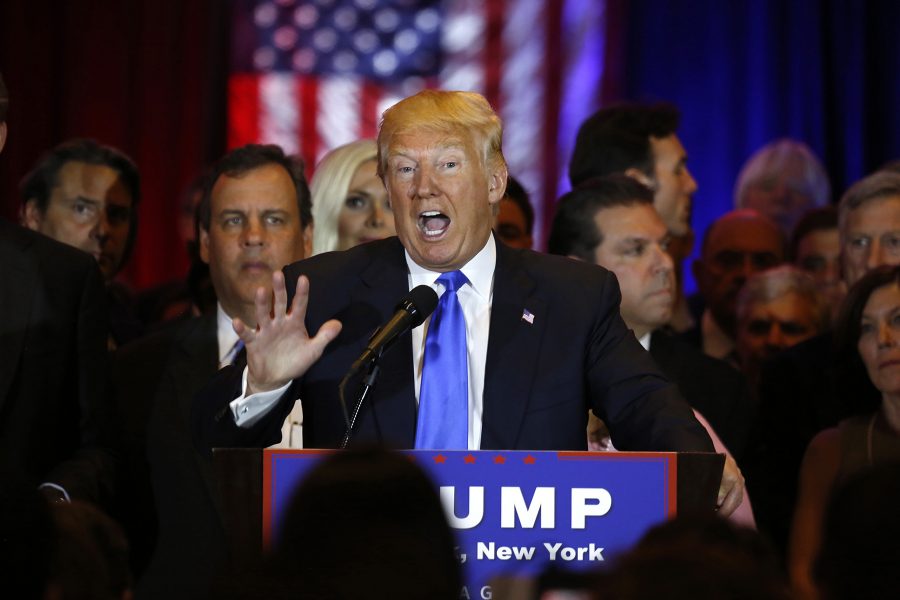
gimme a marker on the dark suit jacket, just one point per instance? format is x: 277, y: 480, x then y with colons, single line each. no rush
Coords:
x: 54, y: 423
x: 159, y: 376
x: 714, y: 388
x: 540, y: 377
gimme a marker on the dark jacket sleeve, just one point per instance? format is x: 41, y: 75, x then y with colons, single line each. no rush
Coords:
x: 212, y: 422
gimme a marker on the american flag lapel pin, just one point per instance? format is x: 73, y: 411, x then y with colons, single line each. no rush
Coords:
x: 528, y: 317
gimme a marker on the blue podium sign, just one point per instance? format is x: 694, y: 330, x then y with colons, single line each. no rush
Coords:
x: 521, y: 512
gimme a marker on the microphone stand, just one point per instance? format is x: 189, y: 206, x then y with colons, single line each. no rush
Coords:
x: 368, y: 381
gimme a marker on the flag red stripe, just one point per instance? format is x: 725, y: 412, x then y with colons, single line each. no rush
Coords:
x: 369, y: 117
x: 552, y: 82
x: 307, y: 93
x: 243, y: 109
x: 493, y: 50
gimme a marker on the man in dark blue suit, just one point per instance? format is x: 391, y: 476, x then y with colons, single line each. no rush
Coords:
x: 544, y: 339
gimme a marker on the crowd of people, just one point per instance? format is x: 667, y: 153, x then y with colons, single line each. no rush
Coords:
x: 786, y: 360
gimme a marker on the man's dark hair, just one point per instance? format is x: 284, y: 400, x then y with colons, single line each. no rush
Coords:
x: 617, y: 138
x: 517, y: 194
x: 4, y: 99
x: 39, y: 183
x: 574, y: 231
x: 817, y: 219
x: 241, y: 161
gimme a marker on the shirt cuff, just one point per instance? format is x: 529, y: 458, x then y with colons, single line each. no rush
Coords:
x: 247, y: 410
x: 58, y: 488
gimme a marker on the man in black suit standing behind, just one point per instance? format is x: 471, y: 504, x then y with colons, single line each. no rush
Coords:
x: 255, y: 217
x: 53, y: 340
x: 611, y: 221
x: 543, y: 337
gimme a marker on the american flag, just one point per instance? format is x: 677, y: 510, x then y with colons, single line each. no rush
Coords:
x: 312, y: 75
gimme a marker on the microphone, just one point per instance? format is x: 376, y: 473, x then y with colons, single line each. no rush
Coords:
x: 410, y: 312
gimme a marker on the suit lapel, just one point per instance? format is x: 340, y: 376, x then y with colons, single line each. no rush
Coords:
x: 392, y: 404
x: 16, y: 306
x: 518, y: 318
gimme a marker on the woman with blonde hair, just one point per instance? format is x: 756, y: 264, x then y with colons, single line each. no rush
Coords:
x: 350, y: 204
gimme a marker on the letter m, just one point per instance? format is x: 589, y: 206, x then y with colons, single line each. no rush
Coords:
x: 512, y: 506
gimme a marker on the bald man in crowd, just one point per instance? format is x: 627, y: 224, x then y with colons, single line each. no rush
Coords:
x: 736, y: 246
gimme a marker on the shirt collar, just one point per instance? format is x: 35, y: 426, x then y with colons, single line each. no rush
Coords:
x: 479, y: 270
x: 225, y: 334
x: 645, y: 340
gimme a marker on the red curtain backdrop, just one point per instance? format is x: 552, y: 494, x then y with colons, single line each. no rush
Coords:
x: 146, y: 76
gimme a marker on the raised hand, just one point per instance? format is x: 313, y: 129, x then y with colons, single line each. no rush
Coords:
x: 280, y: 348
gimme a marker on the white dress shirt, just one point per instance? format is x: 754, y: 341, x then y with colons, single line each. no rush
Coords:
x: 475, y: 300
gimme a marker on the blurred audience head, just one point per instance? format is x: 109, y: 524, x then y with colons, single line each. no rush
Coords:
x: 367, y: 523
x: 859, y: 554
x: 514, y: 221
x: 640, y: 141
x: 736, y: 246
x: 816, y: 248
x: 782, y: 180
x: 86, y: 195
x: 610, y: 221
x: 777, y: 309
x: 869, y: 223
x: 91, y: 561
x: 27, y: 539
x: 696, y: 558
x: 255, y: 218
x: 350, y: 204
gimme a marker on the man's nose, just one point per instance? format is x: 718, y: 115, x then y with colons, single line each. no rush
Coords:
x: 100, y: 231
x: 662, y: 261
x: 691, y: 184
x: 776, y: 338
x: 254, y: 233
x: 877, y: 255
x: 425, y: 185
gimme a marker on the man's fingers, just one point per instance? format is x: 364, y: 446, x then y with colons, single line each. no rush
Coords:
x: 262, y: 307
x: 731, y: 489
x: 244, y: 332
x: 327, y: 332
x: 301, y: 298
x: 732, y: 500
x: 279, y: 293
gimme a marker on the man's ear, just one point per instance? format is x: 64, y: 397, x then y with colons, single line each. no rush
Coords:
x: 497, y: 185
x: 2, y: 135
x: 31, y: 216
x: 640, y: 177
x: 698, y: 268
x: 204, y: 245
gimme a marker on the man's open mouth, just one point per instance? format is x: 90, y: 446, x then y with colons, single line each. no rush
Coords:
x: 433, y: 223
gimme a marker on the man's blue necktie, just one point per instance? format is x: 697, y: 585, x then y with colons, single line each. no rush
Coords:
x: 443, y: 421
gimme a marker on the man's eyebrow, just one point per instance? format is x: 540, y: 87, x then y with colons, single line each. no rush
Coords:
x: 452, y: 144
